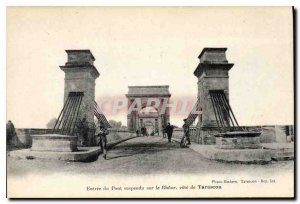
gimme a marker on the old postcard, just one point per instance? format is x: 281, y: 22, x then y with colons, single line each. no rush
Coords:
x: 150, y: 102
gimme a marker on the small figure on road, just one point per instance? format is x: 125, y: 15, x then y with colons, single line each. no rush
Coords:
x: 169, y: 131
x: 186, y: 130
x: 10, y: 132
x: 143, y: 131
x: 102, y: 132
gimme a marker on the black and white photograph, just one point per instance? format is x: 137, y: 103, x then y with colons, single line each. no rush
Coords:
x: 150, y: 102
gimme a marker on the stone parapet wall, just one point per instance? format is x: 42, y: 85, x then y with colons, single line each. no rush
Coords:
x: 118, y: 135
x: 197, y: 135
x: 269, y: 134
x: 24, y: 139
x: 177, y: 132
x: 273, y: 133
x: 23, y: 135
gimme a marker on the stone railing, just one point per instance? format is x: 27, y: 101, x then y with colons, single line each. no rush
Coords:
x: 178, y: 133
x: 23, y: 136
x: 117, y: 135
x: 113, y: 136
x: 269, y: 133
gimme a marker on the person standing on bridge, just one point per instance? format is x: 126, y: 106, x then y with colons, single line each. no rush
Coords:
x: 143, y: 131
x: 10, y: 132
x: 169, y: 131
x: 102, y: 132
x: 186, y: 130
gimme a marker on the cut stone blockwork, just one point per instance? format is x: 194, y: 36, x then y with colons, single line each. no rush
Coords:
x: 54, y: 142
x: 80, y: 76
x: 212, y: 74
x: 238, y: 140
x: 84, y: 154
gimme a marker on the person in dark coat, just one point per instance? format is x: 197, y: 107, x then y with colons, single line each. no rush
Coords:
x: 186, y: 130
x: 10, y: 132
x: 143, y: 131
x: 102, y: 132
x: 137, y: 133
x: 169, y: 131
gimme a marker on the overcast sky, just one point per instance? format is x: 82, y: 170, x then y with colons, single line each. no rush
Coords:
x: 150, y: 46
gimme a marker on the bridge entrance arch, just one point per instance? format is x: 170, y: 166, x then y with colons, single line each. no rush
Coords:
x: 155, y: 98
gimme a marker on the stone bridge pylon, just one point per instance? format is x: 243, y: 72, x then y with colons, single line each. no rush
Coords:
x: 213, y: 81
x: 80, y: 76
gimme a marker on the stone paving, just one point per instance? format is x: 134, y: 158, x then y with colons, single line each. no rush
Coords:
x: 145, y: 155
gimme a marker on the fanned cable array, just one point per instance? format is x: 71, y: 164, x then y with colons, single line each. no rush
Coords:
x: 100, y: 116
x: 224, y: 115
x: 194, y: 113
x: 68, y: 116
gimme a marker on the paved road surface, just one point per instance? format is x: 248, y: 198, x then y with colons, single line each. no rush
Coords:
x: 144, y: 155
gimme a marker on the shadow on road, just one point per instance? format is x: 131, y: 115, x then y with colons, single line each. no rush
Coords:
x: 110, y: 158
x: 131, y: 149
